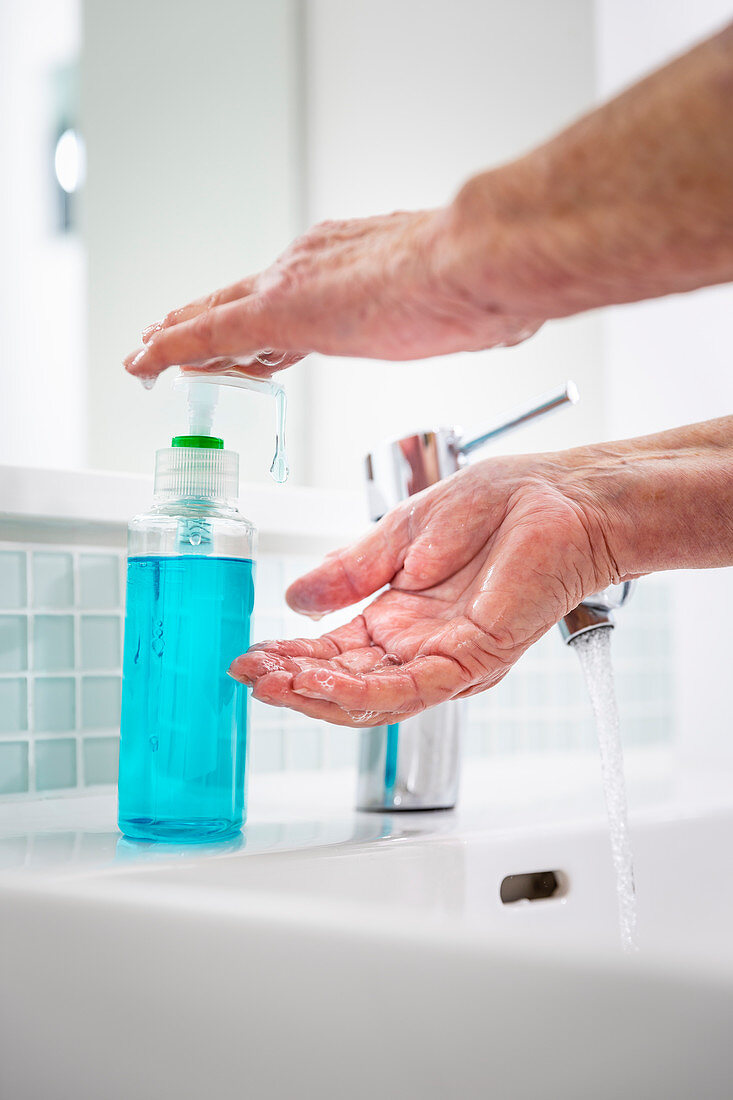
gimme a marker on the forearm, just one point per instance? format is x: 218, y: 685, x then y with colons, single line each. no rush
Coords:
x: 659, y: 502
x: 633, y: 201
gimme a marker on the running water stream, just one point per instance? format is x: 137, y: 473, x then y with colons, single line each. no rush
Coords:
x: 594, y: 653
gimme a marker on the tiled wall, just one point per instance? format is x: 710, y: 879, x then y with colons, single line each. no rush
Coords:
x: 60, y: 656
x: 543, y: 704
x: 60, y: 651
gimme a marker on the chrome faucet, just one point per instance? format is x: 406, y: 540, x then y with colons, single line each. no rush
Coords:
x: 402, y: 467
x: 414, y: 764
x: 595, y: 611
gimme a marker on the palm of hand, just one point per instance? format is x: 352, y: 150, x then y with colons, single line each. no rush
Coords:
x: 486, y: 574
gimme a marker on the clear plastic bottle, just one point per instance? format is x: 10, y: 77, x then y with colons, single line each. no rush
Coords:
x: 190, y: 593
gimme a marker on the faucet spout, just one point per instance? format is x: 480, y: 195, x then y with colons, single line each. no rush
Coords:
x: 595, y: 611
x: 583, y: 619
x: 565, y: 395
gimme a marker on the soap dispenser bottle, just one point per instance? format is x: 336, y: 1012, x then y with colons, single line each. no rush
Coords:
x: 190, y: 594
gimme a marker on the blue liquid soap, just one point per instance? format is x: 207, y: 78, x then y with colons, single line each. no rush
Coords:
x: 184, y: 720
x: 390, y: 763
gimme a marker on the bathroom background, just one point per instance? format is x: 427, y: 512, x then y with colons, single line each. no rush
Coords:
x: 152, y: 151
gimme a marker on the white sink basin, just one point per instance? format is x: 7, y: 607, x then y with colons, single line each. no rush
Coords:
x: 335, y: 954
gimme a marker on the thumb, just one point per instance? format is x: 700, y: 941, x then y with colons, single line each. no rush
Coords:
x: 354, y: 572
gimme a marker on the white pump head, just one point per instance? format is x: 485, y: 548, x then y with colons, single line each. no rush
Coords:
x: 202, y: 400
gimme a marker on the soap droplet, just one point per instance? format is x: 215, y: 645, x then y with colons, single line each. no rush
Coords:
x: 195, y: 538
x: 389, y: 662
x: 270, y: 358
x: 366, y: 716
x: 147, y: 381
x: 279, y: 468
x: 158, y: 643
x: 154, y: 744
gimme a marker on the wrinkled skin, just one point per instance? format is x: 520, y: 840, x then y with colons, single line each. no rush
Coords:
x: 631, y: 202
x: 478, y: 568
x: 482, y: 564
x: 383, y: 288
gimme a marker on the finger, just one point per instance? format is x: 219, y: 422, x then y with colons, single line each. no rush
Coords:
x: 276, y: 691
x: 200, y: 305
x: 265, y: 657
x: 354, y: 572
x: 413, y: 548
x: 355, y: 660
x: 352, y: 635
x: 253, y: 666
x: 264, y: 362
x: 273, y: 361
x: 248, y: 367
x: 251, y: 366
x: 406, y: 689
x: 359, y: 660
x: 238, y: 329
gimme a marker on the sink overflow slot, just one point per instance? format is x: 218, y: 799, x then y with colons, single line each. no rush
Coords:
x: 533, y: 886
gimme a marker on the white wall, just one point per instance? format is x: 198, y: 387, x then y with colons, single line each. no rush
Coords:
x: 189, y: 112
x: 668, y: 363
x: 42, y: 376
x: 669, y: 360
x: 405, y: 101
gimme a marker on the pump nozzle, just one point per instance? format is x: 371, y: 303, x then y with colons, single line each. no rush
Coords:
x: 202, y: 400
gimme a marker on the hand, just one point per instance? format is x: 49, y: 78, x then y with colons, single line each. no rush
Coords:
x: 478, y: 568
x: 483, y: 563
x: 393, y: 287
x: 582, y: 221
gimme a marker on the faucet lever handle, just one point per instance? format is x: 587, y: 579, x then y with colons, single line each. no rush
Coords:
x: 555, y: 399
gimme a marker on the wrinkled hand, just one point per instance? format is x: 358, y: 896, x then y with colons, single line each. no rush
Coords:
x: 391, y: 287
x: 478, y: 568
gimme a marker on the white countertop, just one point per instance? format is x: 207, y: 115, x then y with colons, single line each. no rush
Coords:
x: 318, y: 519
x: 306, y: 854
x: 330, y: 953
x: 50, y: 838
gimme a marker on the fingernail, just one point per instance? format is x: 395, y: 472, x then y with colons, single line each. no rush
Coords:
x: 264, y: 698
x: 133, y: 360
x: 132, y: 365
x: 308, y: 612
x: 150, y: 330
x: 240, y: 678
